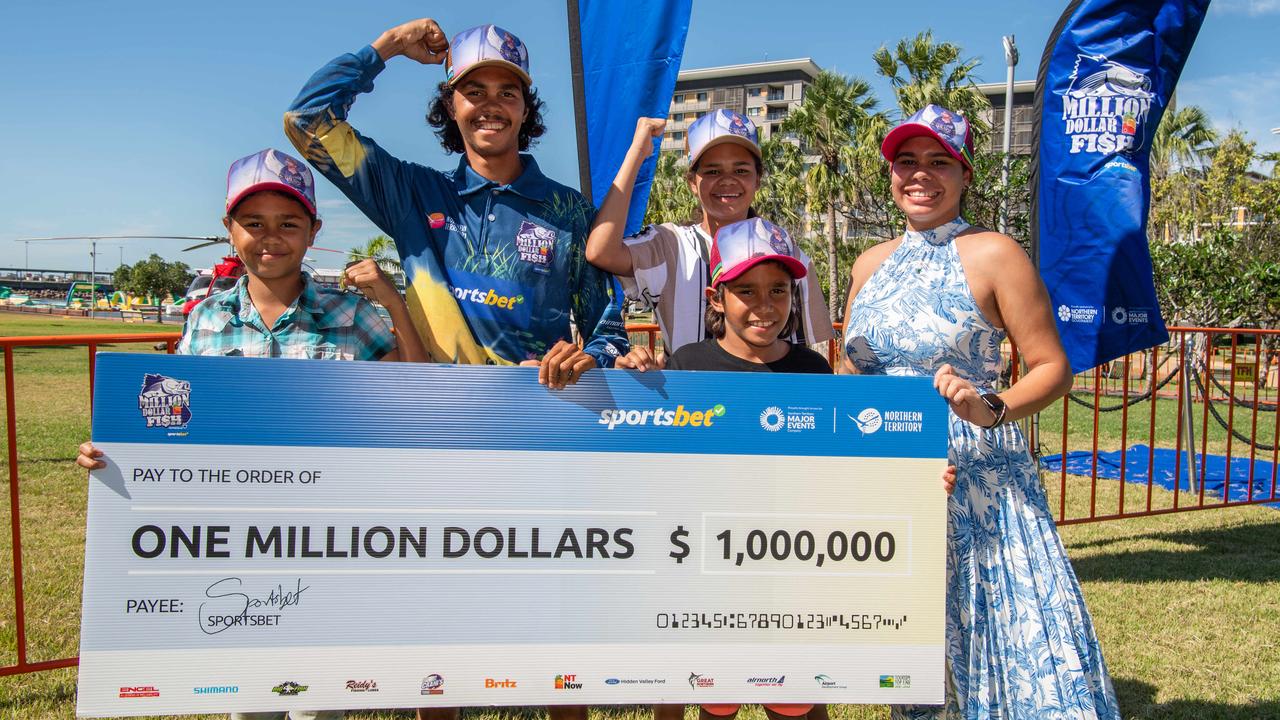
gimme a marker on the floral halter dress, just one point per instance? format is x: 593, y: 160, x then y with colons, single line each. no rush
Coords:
x: 1020, y: 643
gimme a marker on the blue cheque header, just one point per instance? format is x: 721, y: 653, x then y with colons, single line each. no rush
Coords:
x: 184, y: 400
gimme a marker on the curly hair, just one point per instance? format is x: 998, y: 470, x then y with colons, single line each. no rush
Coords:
x: 439, y: 117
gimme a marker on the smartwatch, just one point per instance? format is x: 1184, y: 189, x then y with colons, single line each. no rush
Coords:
x: 997, y: 407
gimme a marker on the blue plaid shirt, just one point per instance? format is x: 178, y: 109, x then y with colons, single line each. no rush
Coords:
x: 320, y: 324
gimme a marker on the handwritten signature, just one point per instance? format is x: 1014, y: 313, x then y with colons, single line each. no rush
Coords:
x: 228, y: 607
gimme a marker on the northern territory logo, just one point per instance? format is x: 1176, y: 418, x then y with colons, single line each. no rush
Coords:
x: 165, y: 402
x: 872, y: 420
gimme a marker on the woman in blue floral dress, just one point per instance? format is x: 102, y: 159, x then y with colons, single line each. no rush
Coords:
x: 939, y: 301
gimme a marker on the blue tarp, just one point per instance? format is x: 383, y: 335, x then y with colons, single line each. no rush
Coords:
x: 1169, y: 462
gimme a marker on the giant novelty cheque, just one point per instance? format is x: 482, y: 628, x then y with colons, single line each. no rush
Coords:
x: 292, y: 534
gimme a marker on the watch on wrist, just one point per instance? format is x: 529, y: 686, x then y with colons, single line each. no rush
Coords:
x: 997, y: 408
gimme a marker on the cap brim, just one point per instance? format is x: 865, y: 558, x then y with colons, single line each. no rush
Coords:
x: 903, y: 133
x: 493, y: 62
x: 794, y: 267
x: 731, y: 139
x: 277, y: 186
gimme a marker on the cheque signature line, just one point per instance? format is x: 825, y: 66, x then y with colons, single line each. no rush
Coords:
x: 391, y: 571
x: 382, y: 510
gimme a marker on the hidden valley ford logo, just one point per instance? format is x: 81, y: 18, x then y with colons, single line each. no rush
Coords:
x: 661, y: 417
x: 165, y: 402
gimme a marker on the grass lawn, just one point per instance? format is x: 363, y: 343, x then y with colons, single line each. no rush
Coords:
x: 1187, y: 606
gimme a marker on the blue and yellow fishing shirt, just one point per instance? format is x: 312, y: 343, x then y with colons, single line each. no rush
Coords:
x: 493, y: 270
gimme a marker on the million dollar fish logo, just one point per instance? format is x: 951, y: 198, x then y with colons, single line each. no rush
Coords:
x: 1104, y: 110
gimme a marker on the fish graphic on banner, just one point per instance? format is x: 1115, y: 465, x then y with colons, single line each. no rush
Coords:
x: 1106, y: 79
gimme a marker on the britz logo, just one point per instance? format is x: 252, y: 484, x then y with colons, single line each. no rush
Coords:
x: 490, y: 683
x: 1106, y: 106
x: 139, y: 691
x: 165, y: 402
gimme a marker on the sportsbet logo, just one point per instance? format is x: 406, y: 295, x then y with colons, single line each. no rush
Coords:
x: 661, y: 417
x: 482, y: 297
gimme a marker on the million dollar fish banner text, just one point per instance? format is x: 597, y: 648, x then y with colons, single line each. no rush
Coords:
x: 1106, y: 78
x: 293, y: 534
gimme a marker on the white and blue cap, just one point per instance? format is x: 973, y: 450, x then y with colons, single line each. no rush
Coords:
x: 271, y: 169
x: 718, y: 127
x: 483, y: 46
x: 948, y: 127
x: 740, y: 246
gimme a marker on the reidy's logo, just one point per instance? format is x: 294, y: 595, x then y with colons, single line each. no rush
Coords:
x: 661, y: 417
x: 1104, y: 111
x: 165, y: 402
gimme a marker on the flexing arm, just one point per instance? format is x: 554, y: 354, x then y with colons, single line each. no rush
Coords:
x: 316, y: 123
x: 377, y: 287
x: 605, y: 248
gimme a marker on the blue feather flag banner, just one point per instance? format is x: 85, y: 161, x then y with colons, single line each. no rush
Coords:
x: 630, y: 55
x: 1106, y: 78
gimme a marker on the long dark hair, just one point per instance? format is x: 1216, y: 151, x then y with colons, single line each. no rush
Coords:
x: 439, y: 117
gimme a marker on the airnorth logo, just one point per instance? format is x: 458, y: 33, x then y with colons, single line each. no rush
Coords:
x: 661, y: 417
x: 480, y: 296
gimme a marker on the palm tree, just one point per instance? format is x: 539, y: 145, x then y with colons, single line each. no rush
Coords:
x: 830, y: 121
x: 670, y: 199
x: 922, y: 72
x: 1185, y: 137
x: 382, y: 250
x: 781, y: 196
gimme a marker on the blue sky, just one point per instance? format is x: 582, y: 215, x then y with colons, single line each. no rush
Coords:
x: 121, y: 118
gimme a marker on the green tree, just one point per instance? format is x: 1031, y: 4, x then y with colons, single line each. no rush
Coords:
x: 922, y: 72
x: 153, y: 276
x: 781, y: 198
x: 382, y: 250
x: 834, y: 116
x: 670, y: 199
x: 1184, y: 138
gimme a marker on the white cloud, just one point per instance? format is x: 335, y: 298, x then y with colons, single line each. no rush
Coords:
x: 1244, y: 100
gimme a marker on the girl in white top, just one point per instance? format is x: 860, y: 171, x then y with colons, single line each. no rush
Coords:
x: 666, y: 265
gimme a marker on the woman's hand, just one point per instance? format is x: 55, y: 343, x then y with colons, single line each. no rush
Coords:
x: 949, y: 479
x: 965, y: 400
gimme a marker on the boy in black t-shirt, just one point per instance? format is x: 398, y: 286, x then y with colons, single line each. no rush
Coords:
x: 749, y: 307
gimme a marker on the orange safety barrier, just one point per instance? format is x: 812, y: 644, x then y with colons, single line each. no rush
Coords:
x: 1205, y: 355
x: 15, y: 514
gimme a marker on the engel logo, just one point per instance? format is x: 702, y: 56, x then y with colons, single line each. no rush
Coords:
x: 660, y: 417
x: 489, y: 297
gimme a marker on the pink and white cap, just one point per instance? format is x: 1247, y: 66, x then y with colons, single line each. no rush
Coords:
x: 740, y: 246
x: 271, y: 170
